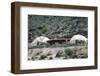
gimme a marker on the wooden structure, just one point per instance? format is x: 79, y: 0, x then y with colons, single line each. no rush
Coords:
x: 59, y: 41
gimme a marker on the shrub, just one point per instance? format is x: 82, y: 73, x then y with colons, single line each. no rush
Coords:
x: 74, y: 56
x: 60, y: 53
x: 42, y: 57
x: 68, y: 52
x: 50, y: 58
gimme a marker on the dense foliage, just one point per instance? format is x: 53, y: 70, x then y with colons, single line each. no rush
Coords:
x: 56, y: 26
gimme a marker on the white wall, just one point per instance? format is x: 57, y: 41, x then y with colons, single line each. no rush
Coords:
x: 5, y: 33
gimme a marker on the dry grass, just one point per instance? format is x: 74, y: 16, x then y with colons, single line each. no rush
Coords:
x: 70, y: 52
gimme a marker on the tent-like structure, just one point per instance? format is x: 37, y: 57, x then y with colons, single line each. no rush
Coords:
x: 78, y: 37
x: 40, y: 39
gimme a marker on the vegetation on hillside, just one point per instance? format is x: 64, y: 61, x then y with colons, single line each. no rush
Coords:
x: 56, y: 26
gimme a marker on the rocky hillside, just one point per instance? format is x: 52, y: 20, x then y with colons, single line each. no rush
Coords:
x: 56, y: 26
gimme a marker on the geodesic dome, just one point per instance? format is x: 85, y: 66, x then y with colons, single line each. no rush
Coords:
x: 77, y: 37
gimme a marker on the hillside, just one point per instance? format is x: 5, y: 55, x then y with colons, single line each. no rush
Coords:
x: 56, y: 26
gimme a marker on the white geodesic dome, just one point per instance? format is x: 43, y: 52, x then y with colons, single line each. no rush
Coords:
x: 40, y: 39
x: 77, y: 37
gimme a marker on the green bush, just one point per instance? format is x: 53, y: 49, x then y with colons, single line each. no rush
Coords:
x: 42, y: 57
x: 60, y: 53
x: 68, y: 52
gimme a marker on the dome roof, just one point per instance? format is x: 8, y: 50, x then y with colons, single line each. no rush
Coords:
x: 78, y: 37
x: 41, y: 39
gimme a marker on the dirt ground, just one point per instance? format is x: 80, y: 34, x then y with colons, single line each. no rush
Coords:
x: 70, y: 52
